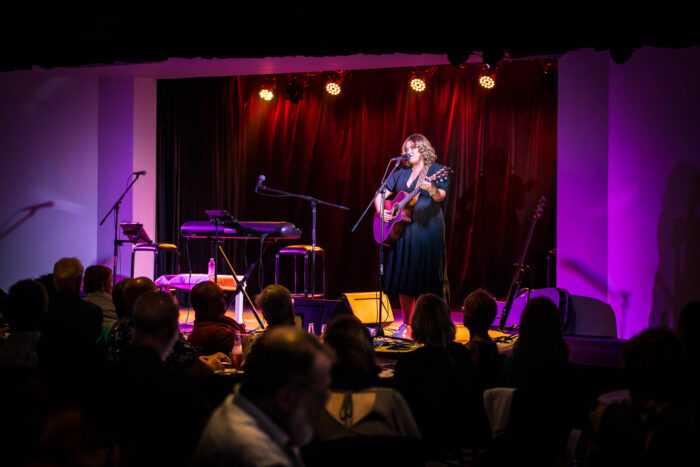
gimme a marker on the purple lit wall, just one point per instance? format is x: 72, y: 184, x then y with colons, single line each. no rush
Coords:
x: 582, y: 171
x: 48, y: 174
x: 67, y: 145
x: 126, y: 144
x: 646, y: 253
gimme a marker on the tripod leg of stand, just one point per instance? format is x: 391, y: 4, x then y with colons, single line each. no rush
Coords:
x: 240, y: 286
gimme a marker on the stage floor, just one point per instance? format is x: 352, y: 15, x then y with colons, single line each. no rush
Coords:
x: 187, y: 320
x: 597, y: 351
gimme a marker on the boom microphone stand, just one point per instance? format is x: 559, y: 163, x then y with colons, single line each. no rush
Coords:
x: 314, y: 203
x: 379, y: 332
x: 115, y: 208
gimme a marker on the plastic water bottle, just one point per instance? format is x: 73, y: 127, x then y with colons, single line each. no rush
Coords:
x: 310, y: 329
x: 211, y: 269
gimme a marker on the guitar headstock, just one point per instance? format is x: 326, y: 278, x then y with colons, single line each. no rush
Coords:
x: 441, y: 174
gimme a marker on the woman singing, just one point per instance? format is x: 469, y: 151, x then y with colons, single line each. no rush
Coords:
x: 416, y: 263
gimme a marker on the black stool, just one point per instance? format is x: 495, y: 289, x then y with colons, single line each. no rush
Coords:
x: 306, y: 251
x: 156, y: 249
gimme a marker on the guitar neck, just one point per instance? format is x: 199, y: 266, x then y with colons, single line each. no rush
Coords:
x: 417, y: 189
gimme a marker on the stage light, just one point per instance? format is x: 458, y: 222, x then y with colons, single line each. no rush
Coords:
x: 417, y: 83
x: 266, y: 93
x: 332, y: 87
x: 420, y: 77
x: 486, y: 82
x: 334, y: 83
x: 487, y: 78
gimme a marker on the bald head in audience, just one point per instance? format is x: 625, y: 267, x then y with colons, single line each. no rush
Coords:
x: 133, y: 289
x: 155, y: 322
x: 68, y: 275
x: 287, y: 375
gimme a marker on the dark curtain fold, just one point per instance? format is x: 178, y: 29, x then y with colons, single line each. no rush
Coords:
x: 216, y: 136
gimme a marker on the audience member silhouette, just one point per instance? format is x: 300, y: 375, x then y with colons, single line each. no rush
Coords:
x: 285, y: 385
x: 213, y: 331
x: 479, y: 313
x: 184, y: 357
x: 97, y: 285
x: 25, y: 306
x: 118, y: 298
x: 69, y: 332
x: 155, y: 414
x: 275, y: 303
x: 357, y: 406
x: 542, y: 411
x: 658, y: 424
x: 438, y: 379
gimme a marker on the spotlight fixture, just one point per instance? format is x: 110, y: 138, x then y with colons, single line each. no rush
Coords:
x: 293, y: 93
x: 487, y: 78
x: 334, y: 84
x: 332, y: 88
x: 417, y: 83
x: 266, y: 93
x: 419, y: 79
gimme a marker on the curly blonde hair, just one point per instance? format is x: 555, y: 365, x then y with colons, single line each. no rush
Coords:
x: 425, y: 149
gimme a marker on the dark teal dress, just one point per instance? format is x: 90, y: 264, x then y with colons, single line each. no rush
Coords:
x: 416, y: 262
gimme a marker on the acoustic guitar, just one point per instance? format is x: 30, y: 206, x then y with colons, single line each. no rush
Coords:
x: 401, y: 208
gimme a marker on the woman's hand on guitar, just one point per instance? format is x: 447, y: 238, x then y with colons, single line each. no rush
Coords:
x: 429, y: 187
x: 388, y: 215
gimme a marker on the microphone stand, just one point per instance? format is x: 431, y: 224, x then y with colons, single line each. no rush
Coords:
x: 314, y: 203
x: 117, y: 243
x: 379, y: 332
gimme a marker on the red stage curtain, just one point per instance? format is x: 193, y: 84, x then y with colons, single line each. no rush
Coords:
x: 216, y: 136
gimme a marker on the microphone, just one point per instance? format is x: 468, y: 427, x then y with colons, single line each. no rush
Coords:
x: 261, y: 179
x: 141, y: 172
x: 401, y: 157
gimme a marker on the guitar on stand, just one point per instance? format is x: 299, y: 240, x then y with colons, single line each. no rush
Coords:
x: 517, y: 280
x: 401, y: 208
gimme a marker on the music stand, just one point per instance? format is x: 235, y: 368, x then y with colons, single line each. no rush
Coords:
x: 135, y: 233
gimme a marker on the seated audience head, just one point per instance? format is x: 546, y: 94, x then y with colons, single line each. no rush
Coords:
x: 431, y: 323
x: 354, y: 368
x: 25, y: 304
x: 118, y: 297
x: 133, y: 289
x: 68, y: 275
x: 655, y: 365
x: 208, y: 301
x: 275, y: 301
x: 479, y: 311
x: 47, y: 281
x: 155, y: 321
x: 97, y: 279
x: 540, y: 340
x: 287, y: 375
